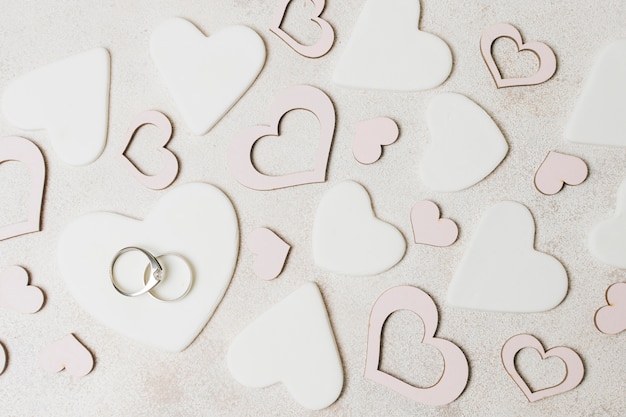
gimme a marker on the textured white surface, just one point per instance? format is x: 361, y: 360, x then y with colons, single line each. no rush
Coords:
x: 131, y: 379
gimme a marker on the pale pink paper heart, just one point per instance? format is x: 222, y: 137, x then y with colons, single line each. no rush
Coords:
x: 456, y: 369
x: 271, y: 253
x: 16, y: 294
x: 429, y: 228
x: 574, y: 367
x: 319, y: 48
x: 240, y: 151
x: 559, y: 169
x: 611, y: 319
x: 370, y: 136
x: 15, y: 148
x: 170, y: 169
x: 547, y: 59
x: 69, y: 354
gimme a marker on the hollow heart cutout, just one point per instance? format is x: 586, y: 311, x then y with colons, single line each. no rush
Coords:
x: 456, y: 369
x: 16, y: 294
x: 240, y: 151
x: 69, y: 354
x: 370, y: 136
x: 611, y: 319
x: 575, y: 369
x: 547, y: 59
x: 15, y: 148
x: 170, y: 170
x: 429, y: 228
x: 559, y: 169
x: 271, y: 253
x: 319, y: 48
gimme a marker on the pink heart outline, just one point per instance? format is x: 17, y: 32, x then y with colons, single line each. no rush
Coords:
x: 545, y: 54
x: 319, y: 48
x: 456, y: 368
x: 370, y: 136
x: 170, y: 170
x: 15, y: 148
x: 16, y: 294
x: 302, y: 97
x: 611, y: 319
x: 67, y: 353
x: 271, y: 253
x: 558, y: 169
x: 431, y: 229
x: 574, y: 368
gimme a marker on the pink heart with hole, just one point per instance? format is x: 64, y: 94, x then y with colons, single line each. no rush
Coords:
x: 456, y: 369
x: 559, y: 169
x: 429, y: 228
x: 69, y: 354
x: 271, y: 253
x: 574, y: 367
x: 611, y: 319
x: 16, y: 294
x: 370, y: 136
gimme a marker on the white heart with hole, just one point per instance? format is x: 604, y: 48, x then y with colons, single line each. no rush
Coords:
x: 195, y: 222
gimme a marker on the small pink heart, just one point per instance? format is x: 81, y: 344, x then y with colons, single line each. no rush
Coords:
x: 69, y: 354
x: 271, y: 253
x: 429, y: 228
x: 370, y: 136
x: 573, y: 366
x: 611, y: 319
x: 16, y: 294
x: 558, y: 169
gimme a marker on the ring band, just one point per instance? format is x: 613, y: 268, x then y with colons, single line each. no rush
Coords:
x: 155, y: 276
x: 153, y: 293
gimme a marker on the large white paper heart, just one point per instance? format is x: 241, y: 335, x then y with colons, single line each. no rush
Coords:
x: 349, y: 239
x: 465, y: 146
x: 501, y: 271
x: 206, y: 76
x: 607, y: 240
x: 70, y: 99
x: 291, y: 343
x: 195, y: 221
x: 387, y: 51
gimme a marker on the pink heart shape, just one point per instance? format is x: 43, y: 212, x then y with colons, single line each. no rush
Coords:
x: 69, y: 354
x: 370, y: 136
x: 611, y: 319
x: 547, y: 59
x: 16, y: 294
x: 319, y: 48
x: 15, y: 148
x: 558, y: 169
x: 429, y: 228
x: 170, y: 170
x: 271, y: 253
x: 299, y: 97
x: 456, y: 369
x: 573, y: 365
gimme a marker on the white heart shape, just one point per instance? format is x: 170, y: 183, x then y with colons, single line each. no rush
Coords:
x: 501, y: 271
x: 195, y: 221
x: 70, y: 99
x: 599, y: 117
x: 349, y: 239
x: 607, y: 240
x: 206, y: 76
x: 291, y: 343
x: 387, y: 51
x: 465, y: 147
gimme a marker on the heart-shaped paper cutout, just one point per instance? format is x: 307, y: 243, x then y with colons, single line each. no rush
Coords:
x: 319, y: 48
x: 15, y: 148
x: 462, y: 153
x: 197, y: 222
x: 607, y: 240
x: 69, y: 354
x: 271, y: 253
x: 206, y: 76
x: 456, y: 369
x: 575, y: 369
x: 347, y: 236
x: 559, y: 169
x: 370, y: 136
x: 429, y: 228
x: 611, y: 319
x: 387, y: 51
x: 240, y: 151
x: 16, y: 294
x: 501, y: 271
x: 170, y: 170
x: 68, y: 98
x: 291, y: 343
x: 547, y: 59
